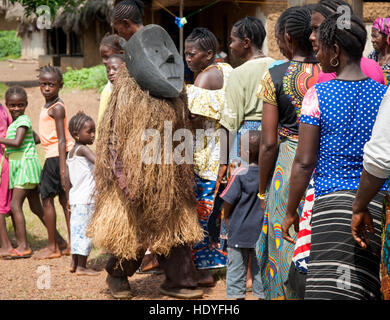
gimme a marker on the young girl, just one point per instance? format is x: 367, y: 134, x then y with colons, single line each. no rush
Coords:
x: 56, y: 142
x: 109, y: 46
x: 81, y: 162
x: 24, y: 169
x: 112, y: 66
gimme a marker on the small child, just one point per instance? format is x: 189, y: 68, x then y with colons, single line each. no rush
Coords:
x: 56, y: 142
x: 24, y: 169
x: 112, y: 66
x: 243, y: 218
x: 81, y: 162
x: 109, y: 46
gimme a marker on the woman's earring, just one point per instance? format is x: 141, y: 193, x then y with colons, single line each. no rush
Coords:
x: 334, y: 64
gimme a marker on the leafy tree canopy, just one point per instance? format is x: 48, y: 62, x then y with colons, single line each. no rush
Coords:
x: 31, y: 5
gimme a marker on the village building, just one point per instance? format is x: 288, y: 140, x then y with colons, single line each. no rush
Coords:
x: 74, y: 37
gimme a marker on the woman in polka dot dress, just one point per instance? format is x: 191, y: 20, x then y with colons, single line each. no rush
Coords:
x: 336, y: 121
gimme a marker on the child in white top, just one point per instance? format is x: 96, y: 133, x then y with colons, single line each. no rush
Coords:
x: 81, y: 162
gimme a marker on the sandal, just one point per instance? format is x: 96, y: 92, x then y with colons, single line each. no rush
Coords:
x: 16, y: 254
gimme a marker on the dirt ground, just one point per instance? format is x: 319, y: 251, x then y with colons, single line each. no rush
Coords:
x: 50, y: 279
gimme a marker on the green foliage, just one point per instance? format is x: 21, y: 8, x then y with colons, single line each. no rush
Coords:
x: 86, y: 78
x: 31, y: 5
x: 3, y: 89
x: 10, y: 44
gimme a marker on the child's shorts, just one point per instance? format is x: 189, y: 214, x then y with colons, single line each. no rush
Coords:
x: 51, y: 178
x: 80, y: 217
x: 27, y: 186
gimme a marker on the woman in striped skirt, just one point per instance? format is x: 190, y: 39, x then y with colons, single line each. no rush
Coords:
x: 336, y: 121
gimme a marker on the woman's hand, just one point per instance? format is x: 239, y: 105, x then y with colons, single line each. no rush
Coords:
x: 290, y: 219
x: 361, y: 221
x: 262, y: 204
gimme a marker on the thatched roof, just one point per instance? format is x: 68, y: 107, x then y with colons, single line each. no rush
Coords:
x: 81, y: 17
x: 16, y: 12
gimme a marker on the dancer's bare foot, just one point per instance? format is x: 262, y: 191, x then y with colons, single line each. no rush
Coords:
x: 80, y: 271
x: 47, y: 253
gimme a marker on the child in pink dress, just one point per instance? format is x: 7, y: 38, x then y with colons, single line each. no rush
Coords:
x: 5, y: 192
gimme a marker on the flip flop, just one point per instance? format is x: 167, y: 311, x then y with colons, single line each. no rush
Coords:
x: 16, y: 254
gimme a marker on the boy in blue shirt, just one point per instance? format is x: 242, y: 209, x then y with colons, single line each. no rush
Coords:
x: 243, y: 218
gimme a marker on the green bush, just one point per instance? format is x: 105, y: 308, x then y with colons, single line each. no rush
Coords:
x: 10, y: 44
x: 3, y: 89
x: 86, y: 78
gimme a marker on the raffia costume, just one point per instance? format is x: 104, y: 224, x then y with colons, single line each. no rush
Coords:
x: 139, y: 205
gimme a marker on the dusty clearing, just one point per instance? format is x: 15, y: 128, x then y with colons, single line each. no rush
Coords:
x: 25, y: 278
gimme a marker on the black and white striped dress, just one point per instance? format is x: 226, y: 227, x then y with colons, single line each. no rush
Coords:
x: 339, y: 269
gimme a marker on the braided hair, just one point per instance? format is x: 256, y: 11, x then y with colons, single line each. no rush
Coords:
x: 128, y: 9
x: 77, y: 123
x: 352, y: 40
x: 251, y: 28
x: 112, y: 41
x: 52, y: 70
x: 204, y: 38
x: 280, y: 26
x: 298, y: 27
x: 16, y: 90
x: 329, y: 7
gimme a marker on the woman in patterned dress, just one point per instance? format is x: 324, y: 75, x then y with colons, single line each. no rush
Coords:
x: 282, y: 91
x: 206, y: 98
x: 337, y: 120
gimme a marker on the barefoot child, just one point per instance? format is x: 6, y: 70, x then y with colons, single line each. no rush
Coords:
x: 56, y: 142
x: 24, y: 168
x: 81, y: 162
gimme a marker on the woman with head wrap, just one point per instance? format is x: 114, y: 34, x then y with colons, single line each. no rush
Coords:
x: 380, y: 34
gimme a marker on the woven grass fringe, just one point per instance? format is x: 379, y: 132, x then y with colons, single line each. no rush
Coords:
x: 161, y: 210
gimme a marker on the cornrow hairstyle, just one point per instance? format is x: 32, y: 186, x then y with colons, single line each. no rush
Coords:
x: 112, y: 41
x: 298, y: 27
x: 251, y: 28
x: 15, y: 90
x: 352, y: 40
x: 53, y: 70
x: 77, y: 123
x: 280, y: 26
x: 128, y: 9
x: 204, y: 38
x: 329, y: 7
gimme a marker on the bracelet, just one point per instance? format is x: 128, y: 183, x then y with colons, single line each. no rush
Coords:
x: 261, y: 196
